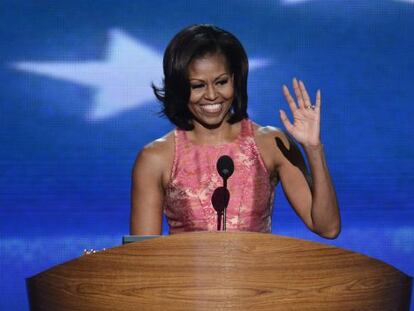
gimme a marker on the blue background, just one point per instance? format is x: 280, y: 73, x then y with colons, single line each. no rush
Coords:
x: 65, y: 172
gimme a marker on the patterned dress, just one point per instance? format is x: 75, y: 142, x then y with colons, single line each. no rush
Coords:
x: 194, y: 177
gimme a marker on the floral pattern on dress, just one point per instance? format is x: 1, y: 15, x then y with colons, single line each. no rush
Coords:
x: 187, y: 203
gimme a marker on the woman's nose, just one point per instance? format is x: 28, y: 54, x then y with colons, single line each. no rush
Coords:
x: 211, y: 93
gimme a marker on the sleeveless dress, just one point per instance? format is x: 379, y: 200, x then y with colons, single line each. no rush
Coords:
x: 194, y: 177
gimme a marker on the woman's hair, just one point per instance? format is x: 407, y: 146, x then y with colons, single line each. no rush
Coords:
x: 191, y: 43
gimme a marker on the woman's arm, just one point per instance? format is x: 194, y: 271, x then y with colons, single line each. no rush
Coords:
x: 313, y: 197
x: 147, y: 193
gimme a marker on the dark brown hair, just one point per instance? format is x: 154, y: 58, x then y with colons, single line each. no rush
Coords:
x: 194, y: 42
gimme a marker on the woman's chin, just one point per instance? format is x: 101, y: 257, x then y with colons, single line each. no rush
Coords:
x: 212, y: 122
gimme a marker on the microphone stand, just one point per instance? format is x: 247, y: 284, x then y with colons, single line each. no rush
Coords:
x: 221, y: 195
x: 225, y: 207
x: 220, y: 200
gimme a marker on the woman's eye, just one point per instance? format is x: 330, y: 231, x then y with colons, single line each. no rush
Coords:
x: 222, y: 82
x: 196, y: 86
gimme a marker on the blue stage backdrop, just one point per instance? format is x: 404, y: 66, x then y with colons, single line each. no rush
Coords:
x: 76, y: 106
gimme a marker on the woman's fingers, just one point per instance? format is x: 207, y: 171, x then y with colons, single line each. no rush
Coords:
x: 318, y: 100
x: 298, y: 93
x: 285, y: 121
x: 289, y: 98
x: 306, y: 98
x: 303, y: 99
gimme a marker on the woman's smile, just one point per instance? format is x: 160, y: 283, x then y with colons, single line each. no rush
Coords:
x: 212, y: 90
x: 212, y: 108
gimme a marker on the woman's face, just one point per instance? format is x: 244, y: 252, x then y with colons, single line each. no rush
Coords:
x: 212, y: 91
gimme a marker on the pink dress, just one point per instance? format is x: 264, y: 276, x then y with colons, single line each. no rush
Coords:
x: 194, y: 177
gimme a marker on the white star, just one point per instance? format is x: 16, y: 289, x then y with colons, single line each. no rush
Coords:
x: 122, y: 80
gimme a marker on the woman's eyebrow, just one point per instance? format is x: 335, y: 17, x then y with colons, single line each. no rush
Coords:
x: 220, y: 76
x: 217, y: 78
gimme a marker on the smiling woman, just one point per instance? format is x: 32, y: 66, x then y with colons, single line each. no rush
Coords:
x: 205, y: 96
x: 185, y: 55
x: 212, y: 90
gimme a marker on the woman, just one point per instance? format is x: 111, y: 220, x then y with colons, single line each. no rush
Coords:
x: 204, y: 95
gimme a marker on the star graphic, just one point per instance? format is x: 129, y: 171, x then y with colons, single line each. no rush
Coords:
x: 122, y: 80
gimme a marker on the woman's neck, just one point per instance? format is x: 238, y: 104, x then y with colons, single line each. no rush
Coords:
x: 224, y: 133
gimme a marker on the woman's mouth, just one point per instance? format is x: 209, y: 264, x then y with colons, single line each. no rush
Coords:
x: 211, y: 108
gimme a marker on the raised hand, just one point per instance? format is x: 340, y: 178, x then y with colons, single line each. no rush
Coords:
x: 306, y: 117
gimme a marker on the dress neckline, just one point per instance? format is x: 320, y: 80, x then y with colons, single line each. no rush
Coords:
x: 244, y: 128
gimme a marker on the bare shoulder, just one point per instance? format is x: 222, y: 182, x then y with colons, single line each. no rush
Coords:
x: 266, y: 138
x: 267, y: 135
x: 159, y: 148
x: 157, y: 156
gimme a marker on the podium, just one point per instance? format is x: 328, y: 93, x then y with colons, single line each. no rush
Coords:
x: 221, y: 271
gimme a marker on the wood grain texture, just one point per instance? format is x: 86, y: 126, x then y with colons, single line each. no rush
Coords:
x: 221, y: 271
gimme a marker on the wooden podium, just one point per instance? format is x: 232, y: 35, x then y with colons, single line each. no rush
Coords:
x: 221, y: 271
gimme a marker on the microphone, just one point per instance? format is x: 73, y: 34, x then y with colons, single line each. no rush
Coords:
x: 221, y: 196
x: 225, y: 167
x: 220, y: 200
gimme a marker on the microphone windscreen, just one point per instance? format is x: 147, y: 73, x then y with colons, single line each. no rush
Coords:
x: 220, y: 199
x: 225, y: 166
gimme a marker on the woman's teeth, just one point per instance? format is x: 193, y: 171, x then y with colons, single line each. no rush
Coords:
x: 211, y: 108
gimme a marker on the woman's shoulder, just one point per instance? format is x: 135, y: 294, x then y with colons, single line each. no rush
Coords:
x: 158, y: 152
x: 267, y: 138
x: 268, y: 134
x: 160, y: 145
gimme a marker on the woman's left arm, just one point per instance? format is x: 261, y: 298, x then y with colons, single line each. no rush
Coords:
x: 323, y: 217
